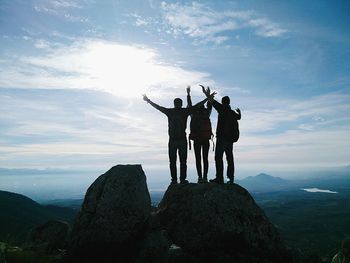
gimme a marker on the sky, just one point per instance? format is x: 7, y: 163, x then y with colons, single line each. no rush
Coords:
x: 72, y: 75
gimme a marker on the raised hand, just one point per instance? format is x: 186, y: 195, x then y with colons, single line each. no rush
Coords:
x: 208, y: 90
x: 145, y: 98
x: 188, y: 90
x: 212, y: 95
x: 205, y: 91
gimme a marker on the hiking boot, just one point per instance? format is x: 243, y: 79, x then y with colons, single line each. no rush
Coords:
x: 217, y: 181
x: 184, y: 181
x: 200, y: 180
x: 230, y: 181
x: 173, y: 182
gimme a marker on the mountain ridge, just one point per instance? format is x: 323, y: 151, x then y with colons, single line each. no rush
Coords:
x: 20, y: 214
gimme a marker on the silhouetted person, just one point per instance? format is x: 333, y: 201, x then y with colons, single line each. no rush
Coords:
x: 200, y: 133
x: 226, y: 134
x: 177, y: 122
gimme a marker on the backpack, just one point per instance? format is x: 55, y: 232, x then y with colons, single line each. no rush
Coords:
x: 235, y: 134
x: 200, y: 126
x: 231, y: 128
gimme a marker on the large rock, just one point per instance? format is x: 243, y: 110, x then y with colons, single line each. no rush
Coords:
x: 49, y: 236
x: 220, y: 223
x: 114, y: 215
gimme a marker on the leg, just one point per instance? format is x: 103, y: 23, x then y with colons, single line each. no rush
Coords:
x: 197, y: 154
x: 230, y: 162
x: 172, y: 159
x: 182, y: 144
x: 205, y: 149
x: 219, y: 152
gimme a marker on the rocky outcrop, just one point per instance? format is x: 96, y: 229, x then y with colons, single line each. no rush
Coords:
x: 220, y: 223
x: 193, y: 223
x: 49, y: 236
x: 114, y: 215
x: 156, y: 243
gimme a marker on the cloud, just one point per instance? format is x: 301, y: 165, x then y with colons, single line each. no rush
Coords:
x: 266, y: 28
x: 206, y: 25
x: 61, y: 8
x: 306, y: 114
x: 68, y: 127
x: 122, y: 70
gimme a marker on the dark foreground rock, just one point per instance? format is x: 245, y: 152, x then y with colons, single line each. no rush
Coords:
x: 49, y: 236
x: 219, y: 223
x: 113, y: 218
x: 193, y: 223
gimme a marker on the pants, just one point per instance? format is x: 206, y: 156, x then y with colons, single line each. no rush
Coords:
x: 178, y: 146
x: 224, y: 146
x: 201, y: 147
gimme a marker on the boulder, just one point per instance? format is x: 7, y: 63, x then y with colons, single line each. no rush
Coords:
x: 114, y: 215
x: 220, y: 223
x: 155, y: 245
x: 49, y: 236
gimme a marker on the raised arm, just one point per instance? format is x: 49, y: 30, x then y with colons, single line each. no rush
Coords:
x: 210, y: 97
x: 209, y: 107
x: 189, y: 101
x: 160, y: 108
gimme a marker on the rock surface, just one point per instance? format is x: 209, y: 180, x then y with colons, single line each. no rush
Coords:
x: 220, y: 223
x: 114, y: 213
x: 49, y: 236
x: 193, y: 223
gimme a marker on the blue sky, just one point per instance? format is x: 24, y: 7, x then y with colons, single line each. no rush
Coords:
x: 72, y: 74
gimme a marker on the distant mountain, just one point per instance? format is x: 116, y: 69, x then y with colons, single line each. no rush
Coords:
x: 265, y: 183
x: 26, y: 171
x: 71, y: 203
x: 19, y: 214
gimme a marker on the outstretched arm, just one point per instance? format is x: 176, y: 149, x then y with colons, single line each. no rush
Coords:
x: 160, y: 108
x: 189, y: 101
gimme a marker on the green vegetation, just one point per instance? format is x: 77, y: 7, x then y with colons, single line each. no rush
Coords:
x: 19, y: 214
x: 314, y: 223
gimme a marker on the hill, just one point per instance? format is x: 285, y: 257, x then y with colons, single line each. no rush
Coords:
x: 19, y: 214
x: 265, y: 183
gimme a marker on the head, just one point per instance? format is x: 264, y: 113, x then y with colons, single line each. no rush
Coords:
x: 177, y: 103
x: 225, y: 100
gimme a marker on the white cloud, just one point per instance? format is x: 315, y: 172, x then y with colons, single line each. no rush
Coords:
x: 122, y: 70
x: 207, y: 25
x: 306, y: 114
x: 42, y: 44
x: 266, y: 28
x: 61, y: 8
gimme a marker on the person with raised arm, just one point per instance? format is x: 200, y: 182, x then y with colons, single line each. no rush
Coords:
x: 200, y: 133
x: 227, y: 133
x: 177, y: 122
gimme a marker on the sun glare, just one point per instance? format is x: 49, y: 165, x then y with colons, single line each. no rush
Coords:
x: 122, y: 70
